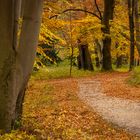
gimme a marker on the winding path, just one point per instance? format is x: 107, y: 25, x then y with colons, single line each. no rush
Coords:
x: 122, y: 112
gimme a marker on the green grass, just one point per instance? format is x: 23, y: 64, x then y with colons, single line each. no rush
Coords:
x: 124, y: 68
x: 135, y: 78
x: 60, y: 71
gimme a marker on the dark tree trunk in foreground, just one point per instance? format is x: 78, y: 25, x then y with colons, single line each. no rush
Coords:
x: 131, y: 4
x: 107, y: 17
x: 7, y: 59
x: 16, y: 62
x: 84, y: 58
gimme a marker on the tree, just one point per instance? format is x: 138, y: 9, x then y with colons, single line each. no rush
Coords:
x: 137, y: 25
x: 16, y: 61
x: 84, y: 58
x: 131, y: 4
x: 107, y: 17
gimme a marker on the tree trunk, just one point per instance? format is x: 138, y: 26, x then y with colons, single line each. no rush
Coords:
x: 84, y: 59
x: 16, y: 62
x: 119, y: 61
x: 27, y: 48
x: 97, y: 60
x: 98, y: 53
x: 137, y: 24
x: 7, y: 63
x: 108, y: 15
x: 131, y: 5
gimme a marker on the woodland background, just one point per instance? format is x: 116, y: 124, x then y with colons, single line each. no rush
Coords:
x: 78, y: 40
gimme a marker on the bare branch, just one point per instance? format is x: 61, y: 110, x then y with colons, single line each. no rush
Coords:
x: 97, y: 7
x: 78, y: 10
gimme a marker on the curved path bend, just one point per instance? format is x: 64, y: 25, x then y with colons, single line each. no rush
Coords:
x: 122, y: 112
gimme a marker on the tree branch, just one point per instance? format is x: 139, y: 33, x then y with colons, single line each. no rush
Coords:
x: 97, y: 7
x: 78, y: 10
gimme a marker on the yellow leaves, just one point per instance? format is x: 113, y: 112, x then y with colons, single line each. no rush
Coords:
x: 40, y: 51
x: 38, y: 60
x: 87, y: 20
x: 120, y: 32
x: 46, y: 36
x: 17, y: 135
x: 56, y: 23
x: 88, y: 27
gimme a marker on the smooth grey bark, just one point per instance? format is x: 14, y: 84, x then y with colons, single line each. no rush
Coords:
x: 27, y: 48
x: 16, y: 62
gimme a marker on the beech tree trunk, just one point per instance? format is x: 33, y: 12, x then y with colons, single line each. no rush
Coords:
x: 107, y: 17
x: 27, y: 47
x: 16, y: 61
x: 7, y: 59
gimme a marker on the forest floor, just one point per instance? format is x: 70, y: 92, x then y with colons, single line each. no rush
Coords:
x: 120, y: 111
x: 53, y: 109
x: 116, y: 84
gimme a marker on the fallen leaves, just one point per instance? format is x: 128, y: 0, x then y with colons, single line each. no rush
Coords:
x: 115, y: 84
x: 53, y: 111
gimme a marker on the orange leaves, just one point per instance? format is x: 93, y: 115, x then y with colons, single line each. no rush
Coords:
x: 52, y: 110
x: 115, y: 85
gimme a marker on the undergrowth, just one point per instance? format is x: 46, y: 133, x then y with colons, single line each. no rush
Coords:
x: 61, y: 70
x: 135, y: 78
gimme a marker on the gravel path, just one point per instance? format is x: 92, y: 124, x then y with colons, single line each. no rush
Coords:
x: 124, y: 113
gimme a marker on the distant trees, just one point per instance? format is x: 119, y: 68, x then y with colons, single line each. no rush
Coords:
x: 134, y: 27
x: 16, y: 55
x: 105, y: 19
x: 112, y: 29
x: 84, y: 57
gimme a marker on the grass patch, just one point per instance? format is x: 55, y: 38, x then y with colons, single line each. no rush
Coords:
x: 135, y: 78
x: 60, y: 71
x: 124, y: 68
